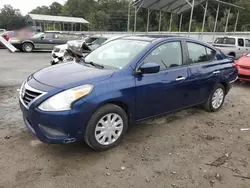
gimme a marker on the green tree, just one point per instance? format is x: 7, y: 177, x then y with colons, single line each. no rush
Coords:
x: 11, y: 18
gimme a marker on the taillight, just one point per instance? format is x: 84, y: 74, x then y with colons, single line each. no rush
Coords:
x: 235, y: 65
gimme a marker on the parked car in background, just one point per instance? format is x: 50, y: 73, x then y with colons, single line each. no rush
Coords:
x: 9, y: 34
x: 243, y: 66
x: 2, y: 31
x: 60, y: 53
x: 122, y: 82
x: 233, y: 46
x: 43, y: 41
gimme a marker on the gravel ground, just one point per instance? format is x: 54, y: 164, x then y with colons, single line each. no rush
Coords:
x: 188, y: 149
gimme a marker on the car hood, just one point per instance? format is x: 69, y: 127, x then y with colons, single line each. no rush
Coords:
x: 244, y: 61
x: 71, y: 74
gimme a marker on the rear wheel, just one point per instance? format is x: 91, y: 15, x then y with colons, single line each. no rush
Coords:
x: 216, y: 99
x: 106, y: 127
x: 27, y: 47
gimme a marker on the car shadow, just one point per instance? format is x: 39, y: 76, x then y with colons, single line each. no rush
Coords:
x: 244, y: 84
x: 136, y: 134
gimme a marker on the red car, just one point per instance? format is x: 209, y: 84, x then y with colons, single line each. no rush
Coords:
x: 9, y: 34
x: 243, y: 66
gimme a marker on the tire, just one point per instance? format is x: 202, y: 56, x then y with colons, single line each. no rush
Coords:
x: 27, y: 47
x: 95, y: 128
x: 209, y: 106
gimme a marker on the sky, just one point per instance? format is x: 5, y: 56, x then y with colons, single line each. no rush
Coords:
x: 27, y: 5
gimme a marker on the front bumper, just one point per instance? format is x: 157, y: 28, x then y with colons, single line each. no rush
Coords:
x: 55, y: 127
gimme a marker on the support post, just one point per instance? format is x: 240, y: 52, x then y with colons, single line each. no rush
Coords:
x: 44, y: 26
x: 72, y: 27
x: 160, y: 22
x: 170, y: 22
x: 34, y: 24
x: 80, y: 27
x: 40, y: 29
x: 204, y: 19
x: 129, y: 6
x: 216, y: 20
x: 180, y: 26
x: 63, y: 26
x: 227, y: 20
x: 54, y: 26
x: 135, y: 20
x: 191, y: 18
x: 148, y: 20
x: 236, y: 23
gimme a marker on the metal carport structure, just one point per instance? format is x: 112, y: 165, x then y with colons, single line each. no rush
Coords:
x: 179, y: 7
x: 43, y: 19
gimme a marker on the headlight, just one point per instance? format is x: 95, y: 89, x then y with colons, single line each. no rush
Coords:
x: 62, y: 101
x: 62, y: 50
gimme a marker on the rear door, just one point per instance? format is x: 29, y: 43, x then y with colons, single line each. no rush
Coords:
x: 247, y: 45
x: 163, y: 91
x: 204, y: 71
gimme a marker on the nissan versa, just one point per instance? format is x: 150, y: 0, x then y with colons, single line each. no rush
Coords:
x: 122, y: 82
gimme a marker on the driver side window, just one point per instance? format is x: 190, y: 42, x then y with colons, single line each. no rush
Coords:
x: 167, y: 55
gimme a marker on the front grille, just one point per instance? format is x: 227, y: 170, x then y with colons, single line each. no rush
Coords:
x: 56, y: 50
x: 243, y: 76
x: 28, y: 94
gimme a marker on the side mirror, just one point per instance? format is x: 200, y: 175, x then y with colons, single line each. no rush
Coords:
x: 42, y: 38
x: 244, y: 54
x: 4, y: 36
x: 150, y: 68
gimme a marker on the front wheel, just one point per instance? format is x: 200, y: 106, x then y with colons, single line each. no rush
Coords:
x: 106, y: 127
x: 216, y: 99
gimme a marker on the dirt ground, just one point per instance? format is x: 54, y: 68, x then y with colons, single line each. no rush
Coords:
x: 188, y: 149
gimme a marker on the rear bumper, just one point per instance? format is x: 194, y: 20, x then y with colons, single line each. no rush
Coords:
x: 244, y: 74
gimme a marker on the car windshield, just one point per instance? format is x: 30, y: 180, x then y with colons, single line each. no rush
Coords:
x: 116, y: 54
x: 230, y: 41
x: 38, y: 35
x: 90, y: 39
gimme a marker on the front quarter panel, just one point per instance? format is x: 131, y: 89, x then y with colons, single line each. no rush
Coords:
x: 119, y: 88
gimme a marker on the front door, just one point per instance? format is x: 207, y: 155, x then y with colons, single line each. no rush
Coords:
x: 163, y: 91
x: 45, y: 42
x: 241, y: 48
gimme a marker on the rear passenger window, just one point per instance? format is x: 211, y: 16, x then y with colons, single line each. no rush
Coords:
x: 247, y: 42
x: 211, y: 54
x: 167, y: 55
x: 197, y: 53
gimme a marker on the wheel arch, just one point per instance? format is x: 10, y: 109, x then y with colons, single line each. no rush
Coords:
x: 122, y: 105
x: 226, y: 86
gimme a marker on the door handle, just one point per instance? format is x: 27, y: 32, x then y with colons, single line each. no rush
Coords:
x: 216, y: 72
x: 180, y: 78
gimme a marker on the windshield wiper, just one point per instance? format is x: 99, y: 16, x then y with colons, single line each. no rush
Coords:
x: 93, y: 64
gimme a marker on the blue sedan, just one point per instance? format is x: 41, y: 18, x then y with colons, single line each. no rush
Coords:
x: 122, y: 82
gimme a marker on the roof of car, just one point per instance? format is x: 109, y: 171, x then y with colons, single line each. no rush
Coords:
x: 149, y: 38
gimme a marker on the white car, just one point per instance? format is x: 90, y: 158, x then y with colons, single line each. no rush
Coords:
x: 58, y: 53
